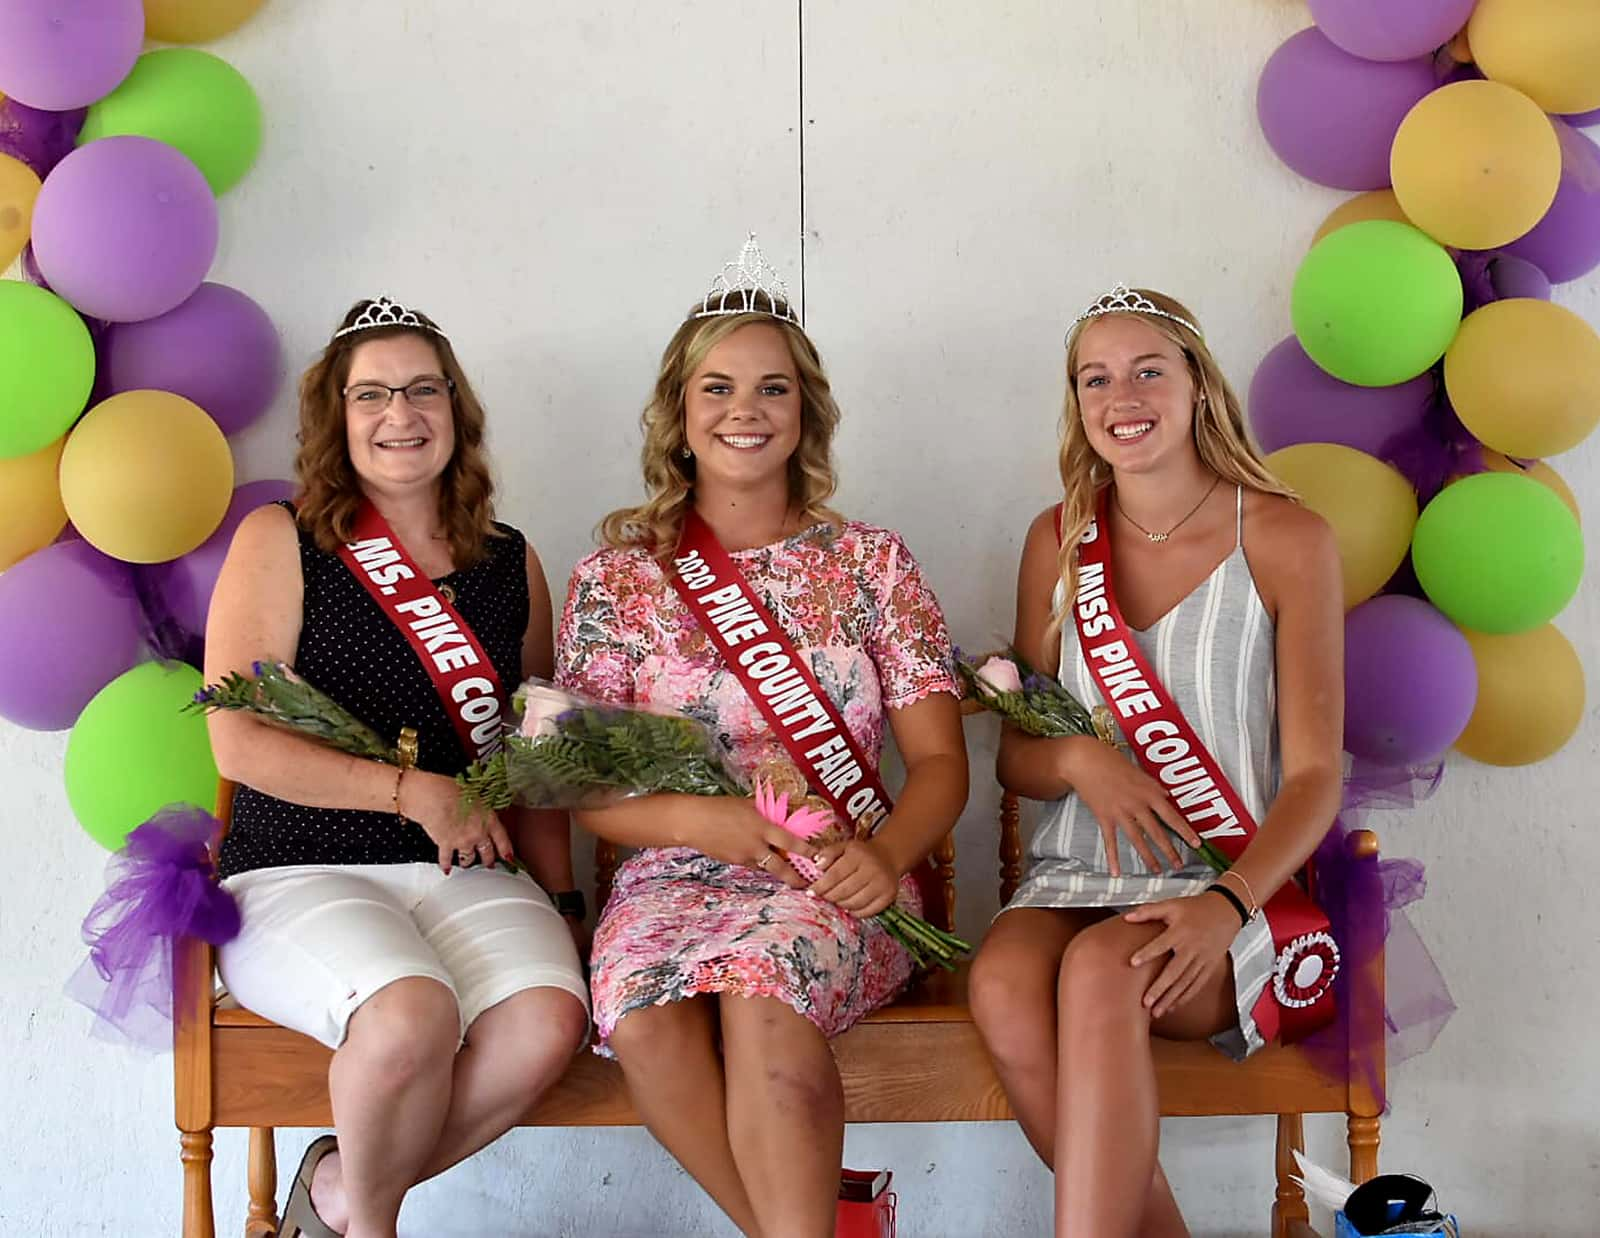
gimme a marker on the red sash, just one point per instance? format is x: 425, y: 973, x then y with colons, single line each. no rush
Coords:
x: 462, y: 675
x: 763, y: 659
x: 1299, y: 997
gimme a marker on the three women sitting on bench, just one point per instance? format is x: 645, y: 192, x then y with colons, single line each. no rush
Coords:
x: 377, y: 921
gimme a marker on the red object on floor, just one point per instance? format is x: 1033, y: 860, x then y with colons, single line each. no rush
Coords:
x: 866, y: 1204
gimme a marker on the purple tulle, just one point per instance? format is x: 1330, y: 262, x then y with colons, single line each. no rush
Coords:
x: 1477, y: 284
x: 37, y: 138
x: 163, y: 631
x: 1435, y: 451
x: 1368, y: 785
x: 159, y: 887
x: 1364, y: 900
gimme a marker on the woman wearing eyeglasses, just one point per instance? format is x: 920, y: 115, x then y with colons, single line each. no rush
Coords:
x: 377, y: 915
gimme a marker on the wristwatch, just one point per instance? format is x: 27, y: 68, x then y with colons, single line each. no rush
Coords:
x: 570, y: 903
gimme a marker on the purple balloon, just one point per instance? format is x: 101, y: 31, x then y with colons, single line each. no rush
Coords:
x: 73, y: 624
x: 1292, y: 400
x: 61, y: 54
x: 125, y: 229
x: 1494, y: 275
x: 1332, y: 116
x: 1565, y: 244
x: 1390, y: 29
x: 39, y: 139
x: 1582, y: 120
x: 1514, y: 277
x: 218, y: 349
x: 180, y: 589
x: 1410, y: 681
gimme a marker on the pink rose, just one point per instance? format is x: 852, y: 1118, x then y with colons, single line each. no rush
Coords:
x: 1001, y: 675
x: 541, y: 707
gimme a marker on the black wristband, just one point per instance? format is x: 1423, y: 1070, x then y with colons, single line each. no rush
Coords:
x: 1217, y: 887
x: 570, y: 903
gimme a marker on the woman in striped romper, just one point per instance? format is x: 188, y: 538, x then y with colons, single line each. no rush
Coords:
x: 1232, y: 591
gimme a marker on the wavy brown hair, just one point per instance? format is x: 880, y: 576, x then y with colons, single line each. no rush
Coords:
x: 1219, y: 435
x: 330, y: 491
x: 654, y: 525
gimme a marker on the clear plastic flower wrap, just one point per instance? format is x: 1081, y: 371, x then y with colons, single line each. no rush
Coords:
x: 571, y: 751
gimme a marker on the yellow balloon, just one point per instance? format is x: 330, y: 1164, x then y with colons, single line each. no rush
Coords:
x: 1372, y: 509
x: 1475, y: 164
x: 1548, y: 49
x: 31, y: 514
x: 195, y: 21
x: 1530, y: 697
x: 1375, y: 204
x: 1524, y: 377
x: 18, y: 189
x: 146, y: 476
x: 1539, y: 471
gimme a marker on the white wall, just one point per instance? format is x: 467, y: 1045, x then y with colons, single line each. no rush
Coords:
x: 555, y: 184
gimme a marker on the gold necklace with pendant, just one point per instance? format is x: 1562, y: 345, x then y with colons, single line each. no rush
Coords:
x: 1161, y: 537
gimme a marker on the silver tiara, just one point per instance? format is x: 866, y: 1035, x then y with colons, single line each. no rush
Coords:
x: 748, y: 285
x: 386, y: 313
x: 1124, y: 300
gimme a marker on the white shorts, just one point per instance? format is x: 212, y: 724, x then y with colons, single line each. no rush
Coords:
x: 318, y: 940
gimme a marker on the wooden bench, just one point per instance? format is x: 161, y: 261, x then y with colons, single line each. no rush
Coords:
x: 918, y: 1060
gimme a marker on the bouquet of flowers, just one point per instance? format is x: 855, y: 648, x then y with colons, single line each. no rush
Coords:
x: 274, y: 693
x: 1036, y: 704
x: 573, y: 752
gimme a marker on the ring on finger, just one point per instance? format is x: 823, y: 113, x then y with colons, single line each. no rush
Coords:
x: 764, y: 861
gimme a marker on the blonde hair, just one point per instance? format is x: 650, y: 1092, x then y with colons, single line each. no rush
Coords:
x: 1219, y: 435
x: 655, y: 524
x: 330, y: 491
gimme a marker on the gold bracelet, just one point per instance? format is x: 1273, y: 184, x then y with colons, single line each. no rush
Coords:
x: 1255, y: 905
x: 405, y: 751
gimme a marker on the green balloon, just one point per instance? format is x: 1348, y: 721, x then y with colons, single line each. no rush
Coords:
x: 1376, y: 303
x: 46, y: 368
x: 134, y: 750
x: 1498, y: 553
x: 189, y: 99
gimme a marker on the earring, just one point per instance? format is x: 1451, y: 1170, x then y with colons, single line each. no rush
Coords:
x: 686, y: 453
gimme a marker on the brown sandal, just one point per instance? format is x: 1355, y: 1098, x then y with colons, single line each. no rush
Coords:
x: 300, y: 1219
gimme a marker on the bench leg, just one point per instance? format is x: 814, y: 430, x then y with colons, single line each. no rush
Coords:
x: 198, y: 1219
x: 262, y: 1221
x: 1362, y: 1136
x: 1289, y: 1211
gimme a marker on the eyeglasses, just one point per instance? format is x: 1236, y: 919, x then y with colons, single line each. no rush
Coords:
x: 423, y: 394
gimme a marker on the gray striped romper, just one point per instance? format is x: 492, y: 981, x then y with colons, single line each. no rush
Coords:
x: 1214, y: 651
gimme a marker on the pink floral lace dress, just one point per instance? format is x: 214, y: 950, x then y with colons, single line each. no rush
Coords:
x: 680, y: 923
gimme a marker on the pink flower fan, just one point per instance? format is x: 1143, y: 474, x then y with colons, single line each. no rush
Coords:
x: 803, y: 823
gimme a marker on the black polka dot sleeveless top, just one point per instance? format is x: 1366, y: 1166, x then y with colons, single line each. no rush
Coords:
x: 353, y: 652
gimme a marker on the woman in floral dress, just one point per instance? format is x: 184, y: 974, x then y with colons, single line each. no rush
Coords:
x: 718, y: 976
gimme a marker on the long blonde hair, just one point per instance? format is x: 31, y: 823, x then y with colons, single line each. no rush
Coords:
x: 655, y: 524
x: 330, y: 491
x: 1219, y: 435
